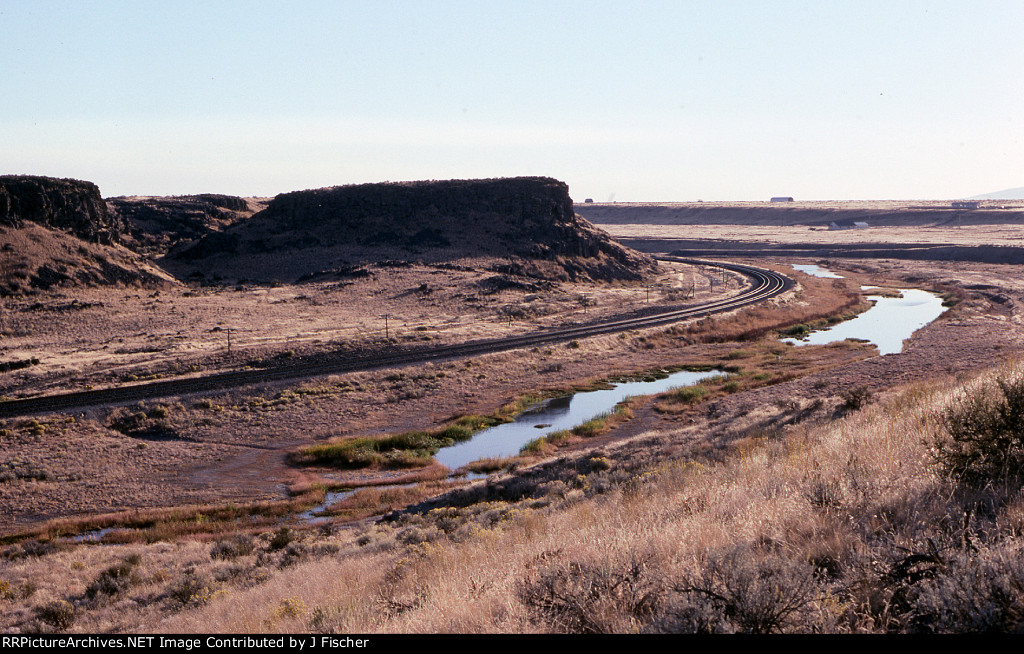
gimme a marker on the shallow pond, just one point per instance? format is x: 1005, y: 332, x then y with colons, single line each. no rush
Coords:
x: 887, y: 324
x: 554, y: 415
x: 310, y: 516
x: 815, y: 270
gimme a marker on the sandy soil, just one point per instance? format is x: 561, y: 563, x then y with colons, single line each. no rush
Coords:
x: 101, y: 336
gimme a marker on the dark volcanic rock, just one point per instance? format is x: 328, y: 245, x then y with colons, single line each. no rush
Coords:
x: 154, y: 225
x: 529, y: 220
x: 67, y: 204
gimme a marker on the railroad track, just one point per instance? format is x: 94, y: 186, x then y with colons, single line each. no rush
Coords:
x: 765, y: 284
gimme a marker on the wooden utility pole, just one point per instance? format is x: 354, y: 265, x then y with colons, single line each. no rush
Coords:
x: 387, y: 332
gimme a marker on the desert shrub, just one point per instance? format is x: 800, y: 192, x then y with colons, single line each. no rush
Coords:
x: 295, y: 551
x: 985, y: 426
x: 11, y: 471
x: 602, y: 597
x: 191, y: 587
x: 856, y: 398
x: 60, y: 614
x: 985, y: 594
x: 742, y: 591
x: 115, y: 579
x: 414, y: 535
x: 281, y: 538
x: 291, y: 607
x: 232, y: 548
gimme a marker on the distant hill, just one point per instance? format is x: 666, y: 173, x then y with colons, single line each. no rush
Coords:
x: 526, y: 224
x: 816, y: 214
x: 1008, y: 194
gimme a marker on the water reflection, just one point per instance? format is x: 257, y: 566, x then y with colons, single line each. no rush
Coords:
x: 556, y: 414
x: 887, y: 324
x: 815, y: 270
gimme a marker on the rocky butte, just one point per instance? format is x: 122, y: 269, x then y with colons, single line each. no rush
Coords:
x: 528, y: 223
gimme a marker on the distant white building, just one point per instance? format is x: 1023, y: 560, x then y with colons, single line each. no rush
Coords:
x: 848, y: 225
x: 782, y: 198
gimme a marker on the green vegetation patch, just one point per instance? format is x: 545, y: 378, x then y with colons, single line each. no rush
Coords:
x: 596, y: 426
x: 406, y: 450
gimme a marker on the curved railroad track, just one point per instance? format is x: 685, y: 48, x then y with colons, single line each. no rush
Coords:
x: 765, y: 284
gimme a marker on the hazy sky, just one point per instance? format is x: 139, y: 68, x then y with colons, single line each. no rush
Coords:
x: 632, y: 101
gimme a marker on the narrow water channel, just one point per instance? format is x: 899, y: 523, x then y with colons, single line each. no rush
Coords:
x: 887, y: 324
x: 554, y: 415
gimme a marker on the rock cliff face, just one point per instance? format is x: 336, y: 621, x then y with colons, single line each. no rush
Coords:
x: 69, y: 205
x: 529, y: 220
x: 58, y: 233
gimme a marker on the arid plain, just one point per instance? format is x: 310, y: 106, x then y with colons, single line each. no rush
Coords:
x: 188, y: 512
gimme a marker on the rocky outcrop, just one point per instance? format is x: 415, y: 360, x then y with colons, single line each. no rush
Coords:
x: 529, y: 220
x: 58, y: 233
x: 69, y: 205
x: 155, y: 225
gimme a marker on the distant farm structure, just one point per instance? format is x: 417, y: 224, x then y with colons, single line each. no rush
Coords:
x: 966, y: 204
x: 782, y: 198
x: 848, y: 224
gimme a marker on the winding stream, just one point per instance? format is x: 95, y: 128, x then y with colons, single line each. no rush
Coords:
x: 556, y: 414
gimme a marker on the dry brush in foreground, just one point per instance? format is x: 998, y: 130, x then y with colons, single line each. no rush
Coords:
x: 853, y: 526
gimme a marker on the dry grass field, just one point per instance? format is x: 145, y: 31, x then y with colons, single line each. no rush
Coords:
x: 232, y: 446
x: 809, y: 489
x: 846, y: 525
x: 102, y: 336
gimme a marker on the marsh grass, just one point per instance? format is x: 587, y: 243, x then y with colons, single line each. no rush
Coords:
x: 149, y: 526
x: 596, y: 426
x: 378, y: 501
x: 763, y: 363
x: 493, y: 465
x: 405, y: 450
x: 412, y: 449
